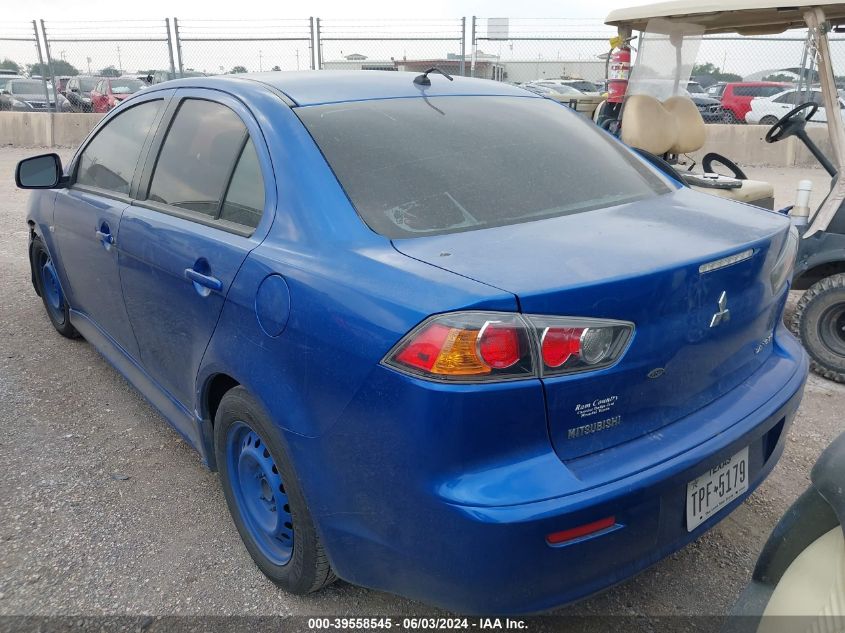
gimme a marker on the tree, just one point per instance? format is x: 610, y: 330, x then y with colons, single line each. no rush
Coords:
x: 60, y: 67
x: 713, y: 72
x: 779, y: 77
x: 8, y: 64
x: 275, y: 68
x: 109, y: 71
x: 238, y: 69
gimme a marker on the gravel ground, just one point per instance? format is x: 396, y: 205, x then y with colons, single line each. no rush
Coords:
x: 105, y: 510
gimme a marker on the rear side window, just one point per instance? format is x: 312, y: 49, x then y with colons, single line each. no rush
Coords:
x: 197, y: 157
x: 244, y: 200
x: 414, y: 167
x: 108, y: 161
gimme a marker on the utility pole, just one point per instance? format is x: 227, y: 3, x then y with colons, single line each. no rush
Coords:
x: 259, y: 61
x: 297, y: 59
x: 119, y: 62
x: 88, y: 59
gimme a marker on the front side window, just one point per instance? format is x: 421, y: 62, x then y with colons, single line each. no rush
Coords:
x: 196, y: 159
x: 108, y: 161
x: 414, y: 167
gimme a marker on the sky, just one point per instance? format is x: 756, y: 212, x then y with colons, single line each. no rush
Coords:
x: 101, y: 9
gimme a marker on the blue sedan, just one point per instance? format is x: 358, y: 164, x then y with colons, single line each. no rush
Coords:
x: 439, y: 337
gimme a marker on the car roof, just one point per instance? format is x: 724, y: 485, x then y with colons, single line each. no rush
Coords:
x: 334, y: 86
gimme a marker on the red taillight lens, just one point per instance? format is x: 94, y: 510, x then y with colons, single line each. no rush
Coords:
x: 581, y: 531
x: 558, y: 344
x: 498, y: 345
x: 492, y: 346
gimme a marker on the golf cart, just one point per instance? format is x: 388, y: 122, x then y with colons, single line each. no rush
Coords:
x: 654, y: 116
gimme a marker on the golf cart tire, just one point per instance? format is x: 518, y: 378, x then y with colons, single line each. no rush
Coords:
x: 824, y: 294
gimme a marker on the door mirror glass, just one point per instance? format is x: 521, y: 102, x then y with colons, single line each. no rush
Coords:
x: 39, y: 172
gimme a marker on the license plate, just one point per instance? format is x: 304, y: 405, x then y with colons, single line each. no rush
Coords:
x: 716, y: 488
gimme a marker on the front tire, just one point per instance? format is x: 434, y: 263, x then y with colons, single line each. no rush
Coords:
x: 768, y: 120
x: 819, y: 321
x: 265, y: 498
x: 49, y: 287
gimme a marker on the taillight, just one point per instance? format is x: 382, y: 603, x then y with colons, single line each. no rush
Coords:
x: 494, y: 346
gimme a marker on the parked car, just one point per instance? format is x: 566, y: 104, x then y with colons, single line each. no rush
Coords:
x: 769, y: 110
x: 79, y: 92
x: 60, y: 84
x: 716, y: 90
x: 6, y: 78
x: 579, y: 101
x: 161, y: 76
x: 464, y: 324
x: 27, y: 95
x: 110, y: 91
x: 737, y: 96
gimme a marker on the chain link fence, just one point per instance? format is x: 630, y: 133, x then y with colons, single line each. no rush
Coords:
x: 236, y: 46
x: 519, y: 50
x: 411, y: 45
x: 515, y: 50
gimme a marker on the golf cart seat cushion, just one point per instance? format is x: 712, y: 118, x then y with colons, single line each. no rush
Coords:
x: 813, y: 585
x: 691, y: 132
x: 647, y: 125
x: 750, y: 191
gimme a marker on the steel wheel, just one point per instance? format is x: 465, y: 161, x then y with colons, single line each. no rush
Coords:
x: 50, y: 286
x: 259, y: 493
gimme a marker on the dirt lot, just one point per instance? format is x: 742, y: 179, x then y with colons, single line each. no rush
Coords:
x: 104, y: 510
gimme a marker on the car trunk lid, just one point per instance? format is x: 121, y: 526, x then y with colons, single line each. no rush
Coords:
x: 698, y: 333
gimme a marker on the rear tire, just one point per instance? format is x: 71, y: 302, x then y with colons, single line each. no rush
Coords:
x: 49, y: 287
x: 819, y: 321
x: 265, y: 498
x: 768, y: 120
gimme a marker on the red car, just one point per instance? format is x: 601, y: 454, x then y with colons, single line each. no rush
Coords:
x: 110, y: 91
x: 736, y: 99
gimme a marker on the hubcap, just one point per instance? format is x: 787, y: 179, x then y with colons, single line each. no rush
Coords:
x: 832, y: 328
x: 51, y: 289
x: 259, y: 493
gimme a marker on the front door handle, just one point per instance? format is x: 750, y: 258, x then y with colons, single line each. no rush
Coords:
x: 206, y: 281
x: 105, y: 238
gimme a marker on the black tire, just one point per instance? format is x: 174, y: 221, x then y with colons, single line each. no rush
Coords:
x: 818, y: 322
x: 729, y: 118
x: 308, y: 568
x: 768, y: 120
x: 59, y: 316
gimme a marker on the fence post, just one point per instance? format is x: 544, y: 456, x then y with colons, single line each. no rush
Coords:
x: 318, y: 45
x: 41, y: 63
x: 463, y: 46
x: 474, y: 45
x: 170, y: 48
x: 178, y: 45
x: 49, y: 67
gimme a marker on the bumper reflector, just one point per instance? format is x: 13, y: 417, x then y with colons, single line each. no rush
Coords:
x: 556, y: 538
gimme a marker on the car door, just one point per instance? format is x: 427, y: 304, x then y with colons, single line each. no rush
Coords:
x: 97, y: 97
x: 184, y: 239
x: 86, y: 220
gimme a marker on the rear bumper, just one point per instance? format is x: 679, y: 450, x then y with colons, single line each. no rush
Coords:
x: 472, y: 539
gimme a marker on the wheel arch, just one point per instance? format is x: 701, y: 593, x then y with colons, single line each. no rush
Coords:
x: 818, y: 271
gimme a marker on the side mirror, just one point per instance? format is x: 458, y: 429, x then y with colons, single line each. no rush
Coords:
x: 39, y: 172
x: 74, y: 89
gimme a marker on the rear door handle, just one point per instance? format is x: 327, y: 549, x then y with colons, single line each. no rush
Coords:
x: 212, y: 283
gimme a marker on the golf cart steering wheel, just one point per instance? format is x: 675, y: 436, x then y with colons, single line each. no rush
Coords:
x: 791, y: 123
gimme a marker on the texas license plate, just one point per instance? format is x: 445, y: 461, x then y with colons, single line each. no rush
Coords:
x: 716, y: 488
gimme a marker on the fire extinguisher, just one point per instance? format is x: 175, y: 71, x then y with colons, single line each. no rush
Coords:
x: 618, y: 72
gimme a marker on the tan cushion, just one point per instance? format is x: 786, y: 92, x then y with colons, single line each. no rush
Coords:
x: 647, y: 125
x: 812, y: 586
x: 750, y: 191
x: 691, y: 133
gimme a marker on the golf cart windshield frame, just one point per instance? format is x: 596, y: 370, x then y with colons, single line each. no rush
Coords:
x: 759, y: 17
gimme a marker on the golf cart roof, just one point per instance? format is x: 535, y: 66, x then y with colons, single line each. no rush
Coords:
x: 747, y: 17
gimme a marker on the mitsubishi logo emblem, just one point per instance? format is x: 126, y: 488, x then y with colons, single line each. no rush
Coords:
x: 723, y: 314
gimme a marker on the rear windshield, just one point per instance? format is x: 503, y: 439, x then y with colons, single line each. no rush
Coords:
x: 414, y: 167
x: 87, y: 85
